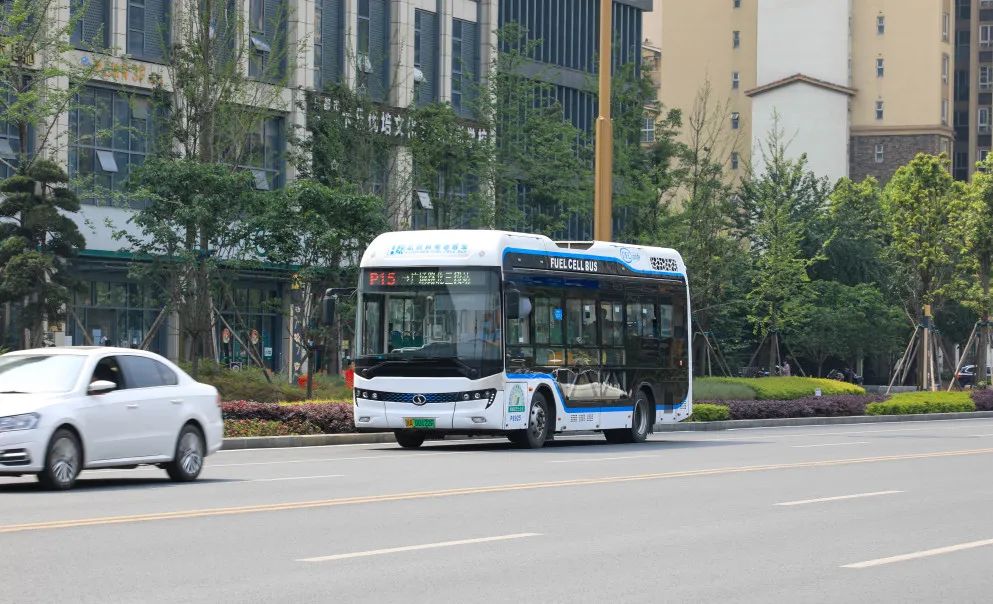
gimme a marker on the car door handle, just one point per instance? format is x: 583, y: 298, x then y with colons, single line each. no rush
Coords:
x: 176, y: 401
x: 133, y: 406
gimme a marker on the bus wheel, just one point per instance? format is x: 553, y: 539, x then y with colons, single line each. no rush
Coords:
x: 409, y: 439
x: 538, y: 422
x: 638, y: 431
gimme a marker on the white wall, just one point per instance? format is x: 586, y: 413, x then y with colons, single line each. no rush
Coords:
x: 813, y: 120
x: 803, y: 36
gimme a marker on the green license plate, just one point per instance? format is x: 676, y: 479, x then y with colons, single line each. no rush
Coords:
x: 419, y: 422
x: 515, y: 409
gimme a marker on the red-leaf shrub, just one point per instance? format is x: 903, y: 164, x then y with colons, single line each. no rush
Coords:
x: 983, y: 400
x: 327, y: 418
x: 811, y: 406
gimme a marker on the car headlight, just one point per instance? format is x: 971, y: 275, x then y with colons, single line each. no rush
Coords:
x: 27, y: 421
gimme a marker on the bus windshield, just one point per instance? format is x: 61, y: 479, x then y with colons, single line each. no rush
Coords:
x: 430, y: 322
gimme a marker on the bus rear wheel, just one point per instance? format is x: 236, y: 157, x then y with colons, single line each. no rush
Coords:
x: 638, y: 431
x: 409, y: 439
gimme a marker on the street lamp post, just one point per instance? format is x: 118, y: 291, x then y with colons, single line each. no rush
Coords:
x: 603, y: 170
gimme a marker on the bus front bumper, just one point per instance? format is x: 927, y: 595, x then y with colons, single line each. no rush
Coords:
x: 484, y: 415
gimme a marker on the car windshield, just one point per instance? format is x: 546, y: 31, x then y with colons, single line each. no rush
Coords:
x: 36, y: 374
x: 429, y: 322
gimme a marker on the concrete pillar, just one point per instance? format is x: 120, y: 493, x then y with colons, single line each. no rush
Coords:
x: 445, y: 50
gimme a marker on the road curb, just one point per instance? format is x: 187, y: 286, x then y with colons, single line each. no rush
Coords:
x: 314, y: 440
x: 816, y: 421
x: 323, y: 440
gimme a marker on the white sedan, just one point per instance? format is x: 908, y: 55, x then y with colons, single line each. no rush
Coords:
x: 63, y: 410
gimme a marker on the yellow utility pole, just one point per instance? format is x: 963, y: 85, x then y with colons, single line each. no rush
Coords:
x: 604, y: 166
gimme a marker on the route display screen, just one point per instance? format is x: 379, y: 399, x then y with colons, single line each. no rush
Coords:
x: 420, y: 277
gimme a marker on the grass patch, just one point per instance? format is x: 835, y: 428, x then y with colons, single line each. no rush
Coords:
x: 710, y: 413
x: 715, y: 389
x: 778, y: 388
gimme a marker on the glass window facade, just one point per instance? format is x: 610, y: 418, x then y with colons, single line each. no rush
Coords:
x: 148, y: 29
x: 265, y: 154
x: 328, y: 42
x: 426, y: 55
x: 110, y: 133
x: 254, y: 311
x: 91, y: 23
x: 116, y: 313
x: 10, y: 139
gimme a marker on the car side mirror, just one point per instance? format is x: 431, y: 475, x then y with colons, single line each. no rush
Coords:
x: 101, y: 387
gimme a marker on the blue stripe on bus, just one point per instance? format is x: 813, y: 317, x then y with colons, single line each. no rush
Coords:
x: 589, y: 257
x: 562, y: 399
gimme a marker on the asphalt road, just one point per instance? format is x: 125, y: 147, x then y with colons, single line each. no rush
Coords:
x: 855, y: 513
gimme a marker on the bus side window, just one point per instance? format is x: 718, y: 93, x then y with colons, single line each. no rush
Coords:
x: 548, y: 319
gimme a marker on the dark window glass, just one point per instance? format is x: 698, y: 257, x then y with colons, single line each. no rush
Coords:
x: 142, y: 372
x: 108, y: 370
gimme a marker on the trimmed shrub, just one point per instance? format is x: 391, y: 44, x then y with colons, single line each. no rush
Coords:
x: 715, y: 389
x: 912, y: 403
x: 788, y: 388
x: 261, y: 427
x: 249, y: 384
x: 710, y: 413
x: 811, y: 406
x: 326, y: 418
x: 983, y: 399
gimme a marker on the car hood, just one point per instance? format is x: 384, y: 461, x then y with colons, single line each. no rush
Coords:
x: 16, y: 404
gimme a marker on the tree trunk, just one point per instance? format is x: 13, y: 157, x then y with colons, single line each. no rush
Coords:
x: 773, y: 352
x: 820, y: 368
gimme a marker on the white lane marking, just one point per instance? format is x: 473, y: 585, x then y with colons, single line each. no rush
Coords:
x: 979, y: 435
x: 601, y: 459
x: 921, y: 554
x: 411, y: 548
x: 296, y: 478
x: 860, y: 442
x: 837, y: 498
x: 797, y: 435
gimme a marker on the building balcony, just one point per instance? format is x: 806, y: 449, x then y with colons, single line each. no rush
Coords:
x: 983, y: 128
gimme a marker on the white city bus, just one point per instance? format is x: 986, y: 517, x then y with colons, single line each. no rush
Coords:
x: 488, y: 332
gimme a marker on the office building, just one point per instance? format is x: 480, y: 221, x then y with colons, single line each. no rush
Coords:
x: 860, y: 94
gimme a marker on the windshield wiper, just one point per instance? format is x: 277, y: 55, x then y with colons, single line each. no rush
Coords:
x: 14, y: 392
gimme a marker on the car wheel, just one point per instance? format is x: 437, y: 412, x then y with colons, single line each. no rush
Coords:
x: 409, y: 439
x: 63, y: 461
x: 538, y: 423
x: 638, y: 431
x: 187, y: 463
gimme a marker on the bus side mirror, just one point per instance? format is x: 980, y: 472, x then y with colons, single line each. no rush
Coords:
x: 517, y: 307
x: 327, y: 309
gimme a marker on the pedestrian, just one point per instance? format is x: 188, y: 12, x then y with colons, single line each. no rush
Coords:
x: 786, y: 369
x: 349, y: 373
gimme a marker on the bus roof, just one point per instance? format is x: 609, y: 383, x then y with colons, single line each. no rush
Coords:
x: 488, y: 248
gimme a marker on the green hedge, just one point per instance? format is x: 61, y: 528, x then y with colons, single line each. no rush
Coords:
x: 249, y: 384
x: 912, y: 403
x: 710, y: 413
x: 768, y: 388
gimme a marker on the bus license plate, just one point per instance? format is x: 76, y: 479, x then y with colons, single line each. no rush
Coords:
x: 419, y: 422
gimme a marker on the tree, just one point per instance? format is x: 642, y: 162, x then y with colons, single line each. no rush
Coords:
x: 538, y: 155
x: 322, y: 232
x: 853, y: 235
x: 924, y: 213
x: 845, y: 322
x: 191, y: 235
x: 34, y: 51
x: 448, y: 163
x: 695, y: 212
x: 978, y: 253
x: 38, y: 242
x: 780, y: 205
